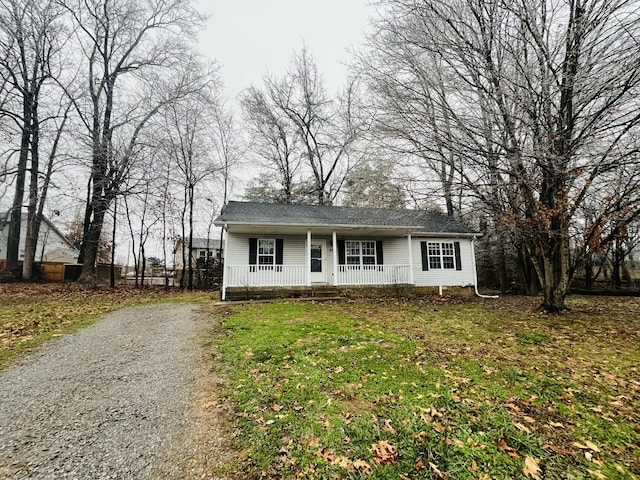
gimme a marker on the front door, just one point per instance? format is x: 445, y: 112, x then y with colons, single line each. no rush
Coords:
x: 318, y: 270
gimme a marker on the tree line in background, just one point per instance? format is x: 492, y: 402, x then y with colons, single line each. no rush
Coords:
x: 518, y: 116
x: 108, y: 99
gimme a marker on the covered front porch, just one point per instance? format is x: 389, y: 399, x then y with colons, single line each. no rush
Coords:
x: 346, y: 257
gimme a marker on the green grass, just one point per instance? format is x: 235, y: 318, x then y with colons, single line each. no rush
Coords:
x: 430, y: 389
x: 31, y: 314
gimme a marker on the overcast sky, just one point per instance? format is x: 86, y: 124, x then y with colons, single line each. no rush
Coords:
x: 252, y: 37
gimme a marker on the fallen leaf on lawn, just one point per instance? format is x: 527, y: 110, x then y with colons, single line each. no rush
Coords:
x: 339, y: 370
x: 513, y: 407
x: 387, y: 427
x: 560, y: 450
x: 313, y: 441
x: 454, y: 441
x: 270, y: 422
x: 343, y: 462
x: 474, y: 467
x: 531, y: 468
x: 276, y: 408
x: 597, y: 474
x: 520, y: 426
x: 418, y: 464
x: 384, y: 452
x: 557, y: 424
x: 512, y: 452
x: 437, y: 472
x: 586, y: 446
x: 327, y: 455
x: 362, y: 467
x: 592, y: 446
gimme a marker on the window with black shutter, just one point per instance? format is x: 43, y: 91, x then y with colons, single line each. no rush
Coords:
x: 440, y: 256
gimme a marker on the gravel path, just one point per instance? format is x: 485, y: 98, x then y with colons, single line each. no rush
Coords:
x: 107, y: 402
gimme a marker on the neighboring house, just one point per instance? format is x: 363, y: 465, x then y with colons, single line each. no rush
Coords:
x: 271, y: 246
x: 52, y: 246
x: 202, y: 248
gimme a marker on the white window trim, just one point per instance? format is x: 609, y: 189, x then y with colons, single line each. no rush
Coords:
x: 266, y: 255
x: 360, y: 254
x: 441, y: 256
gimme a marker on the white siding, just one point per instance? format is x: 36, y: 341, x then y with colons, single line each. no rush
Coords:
x: 48, y: 241
x: 293, y: 249
x: 394, y: 251
x: 444, y: 277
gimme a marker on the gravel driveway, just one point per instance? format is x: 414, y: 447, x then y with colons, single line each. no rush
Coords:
x: 109, y: 401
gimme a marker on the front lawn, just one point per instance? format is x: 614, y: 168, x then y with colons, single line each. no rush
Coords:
x: 437, y: 388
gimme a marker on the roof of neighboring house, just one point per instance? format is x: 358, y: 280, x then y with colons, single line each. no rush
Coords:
x: 256, y: 213
x: 209, y: 243
x: 4, y: 221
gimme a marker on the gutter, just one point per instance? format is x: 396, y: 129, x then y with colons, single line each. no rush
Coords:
x: 413, y: 229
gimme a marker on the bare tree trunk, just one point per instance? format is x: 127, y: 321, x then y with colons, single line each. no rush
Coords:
x: 112, y: 269
x: 190, y: 237
x: 15, y: 219
x: 33, y: 222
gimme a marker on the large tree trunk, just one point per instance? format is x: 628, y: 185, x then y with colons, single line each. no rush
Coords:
x: 553, y: 268
x: 15, y: 219
x: 33, y: 220
x: 91, y: 242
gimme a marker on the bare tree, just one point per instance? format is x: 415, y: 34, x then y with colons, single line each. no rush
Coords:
x: 137, y: 61
x: 38, y: 191
x: 274, y: 141
x: 297, y: 123
x: 186, y: 141
x: 542, y: 101
x: 29, y: 43
x: 229, y: 147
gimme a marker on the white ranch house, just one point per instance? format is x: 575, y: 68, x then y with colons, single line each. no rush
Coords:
x: 298, y: 247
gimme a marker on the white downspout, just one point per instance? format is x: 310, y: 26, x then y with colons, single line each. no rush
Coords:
x: 475, y: 273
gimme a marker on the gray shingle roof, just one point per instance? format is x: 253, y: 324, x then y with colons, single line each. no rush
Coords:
x: 209, y: 243
x: 317, y: 215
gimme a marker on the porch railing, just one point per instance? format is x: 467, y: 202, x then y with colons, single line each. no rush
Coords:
x: 296, y: 275
x: 266, y: 275
x: 373, y: 274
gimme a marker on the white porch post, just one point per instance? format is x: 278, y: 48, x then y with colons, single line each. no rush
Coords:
x: 410, y: 260
x: 225, y: 267
x: 335, y: 259
x: 308, y: 258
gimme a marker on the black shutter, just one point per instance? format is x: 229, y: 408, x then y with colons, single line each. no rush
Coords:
x: 341, y: 253
x: 425, y: 256
x: 379, y: 254
x: 279, y: 250
x: 456, y: 247
x: 253, y: 251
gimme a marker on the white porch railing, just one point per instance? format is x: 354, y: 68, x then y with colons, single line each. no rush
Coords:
x: 266, y: 275
x: 373, y: 274
x: 296, y: 275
